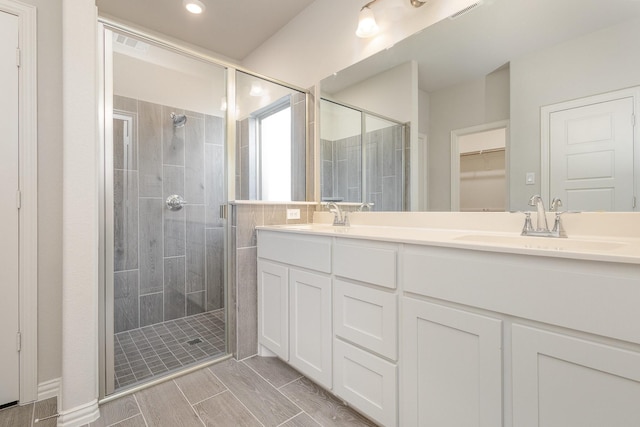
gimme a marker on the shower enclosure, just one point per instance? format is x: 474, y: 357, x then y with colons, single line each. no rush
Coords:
x: 364, y: 158
x: 164, y: 234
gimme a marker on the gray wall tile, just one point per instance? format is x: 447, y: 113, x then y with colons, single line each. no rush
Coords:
x: 214, y: 131
x: 247, y: 301
x: 174, y: 232
x: 150, y: 149
x: 125, y: 154
x: 196, y: 303
x: 174, y: 288
x: 232, y: 312
x: 388, y: 153
x: 215, y: 268
x: 125, y: 305
x: 275, y: 214
x: 195, y: 250
x: 172, y: 138
x: 150, y: 238
x: 194, y: 161
x: 125, y: 220
x: 214, y: 184
x: 174, y: 221
x: 184, y: 161
x: 248, y: 217
x: 151, y: 309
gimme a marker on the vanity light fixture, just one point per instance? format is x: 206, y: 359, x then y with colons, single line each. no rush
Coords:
x: 367, y: 26
x: 194, y: 6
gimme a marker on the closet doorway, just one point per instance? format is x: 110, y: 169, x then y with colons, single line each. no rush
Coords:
x: 479, y: 168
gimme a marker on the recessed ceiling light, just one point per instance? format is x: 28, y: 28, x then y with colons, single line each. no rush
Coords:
x: 194, y: 6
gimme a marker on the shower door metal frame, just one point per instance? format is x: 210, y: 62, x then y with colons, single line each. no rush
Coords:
x: 106, y: 26
x: 107, y: 390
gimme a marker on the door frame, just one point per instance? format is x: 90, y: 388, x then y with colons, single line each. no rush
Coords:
x: 545, y: 135
x: 28, y: 186
x: 455, y: 157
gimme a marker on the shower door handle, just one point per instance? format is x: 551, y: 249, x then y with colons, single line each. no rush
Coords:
x: 175, y: 202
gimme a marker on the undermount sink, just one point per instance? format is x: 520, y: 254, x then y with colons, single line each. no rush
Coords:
x: 548, y: 243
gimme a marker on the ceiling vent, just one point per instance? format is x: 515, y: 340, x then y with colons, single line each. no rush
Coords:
x: 465, y: 10
x: 131, y: 43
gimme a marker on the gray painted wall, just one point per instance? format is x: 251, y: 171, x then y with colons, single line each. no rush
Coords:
x: 597, y: 63
x: 469, y: 104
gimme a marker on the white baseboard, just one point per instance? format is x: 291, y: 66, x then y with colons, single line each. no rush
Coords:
x: 49, y: 389
x: 80, y: 416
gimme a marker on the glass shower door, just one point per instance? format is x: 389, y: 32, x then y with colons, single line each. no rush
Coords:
x: 165, y: 184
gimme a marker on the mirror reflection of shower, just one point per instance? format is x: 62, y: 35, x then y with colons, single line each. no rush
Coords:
x: 179, y: 120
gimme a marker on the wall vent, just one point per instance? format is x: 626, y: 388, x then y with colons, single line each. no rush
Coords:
x: 465, y: 10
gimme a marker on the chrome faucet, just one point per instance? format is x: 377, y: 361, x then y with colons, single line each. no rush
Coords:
x: 542, y: 227
x: 365, y: 207
x: 339, y: 217
x: 541, y: 218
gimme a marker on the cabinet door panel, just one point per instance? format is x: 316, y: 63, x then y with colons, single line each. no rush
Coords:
x: 273, y: 311
x: 367, y: 317
x: 310, y: 325
x: 367, y: 382
x: 565, y: 381
x: 452, y: 367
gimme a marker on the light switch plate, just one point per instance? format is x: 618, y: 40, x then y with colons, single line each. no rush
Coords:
x: 530, y: 178
x: 293, y: 213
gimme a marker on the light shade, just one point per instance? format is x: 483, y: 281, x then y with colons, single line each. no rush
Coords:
x: 256, y: 89
x: 194, y: 6
x: 367, y: 26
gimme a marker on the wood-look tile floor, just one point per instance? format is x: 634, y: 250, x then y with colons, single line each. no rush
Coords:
x: 25, y: 416
x: 255, y: 392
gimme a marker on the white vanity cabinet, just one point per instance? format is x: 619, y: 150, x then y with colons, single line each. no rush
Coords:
x: 273, y: 308
x: 365, y: 318
x: 294, y: 301
x: 415, y: 334
x: 561, y: 380
x: 452, y: 367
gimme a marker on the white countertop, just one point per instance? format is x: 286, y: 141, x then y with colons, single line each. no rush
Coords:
x: 487, y: 232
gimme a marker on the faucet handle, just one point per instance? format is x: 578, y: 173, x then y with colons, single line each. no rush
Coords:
x: 528, y: 227
x: 555, y: 204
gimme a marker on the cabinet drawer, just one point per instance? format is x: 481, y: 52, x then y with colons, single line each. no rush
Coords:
x: 310, y: 252
x: 366, y: 382
x: 371, y: 262
x: 367, y: 317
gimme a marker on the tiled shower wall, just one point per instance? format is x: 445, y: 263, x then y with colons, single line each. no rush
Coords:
x: 342, y: 168
x: 167, y: 264
x: 243, y: 286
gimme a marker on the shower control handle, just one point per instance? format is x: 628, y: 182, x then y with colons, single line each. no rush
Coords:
x: 175, y: 202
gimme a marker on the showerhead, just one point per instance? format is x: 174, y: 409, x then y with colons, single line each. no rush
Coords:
x: 179, y: 120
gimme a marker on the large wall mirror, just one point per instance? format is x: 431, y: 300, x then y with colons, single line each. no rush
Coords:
x: 560, y: 77
x: 271, y: 148
x: 363, y: 158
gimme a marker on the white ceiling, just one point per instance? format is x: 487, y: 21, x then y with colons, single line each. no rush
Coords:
x: 233, y: 28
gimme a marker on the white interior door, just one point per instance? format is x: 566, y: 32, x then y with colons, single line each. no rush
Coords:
x: 9, y: 356
x: 591, y: 156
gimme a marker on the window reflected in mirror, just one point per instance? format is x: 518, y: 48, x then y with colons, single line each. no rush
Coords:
x: 270, y: 141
